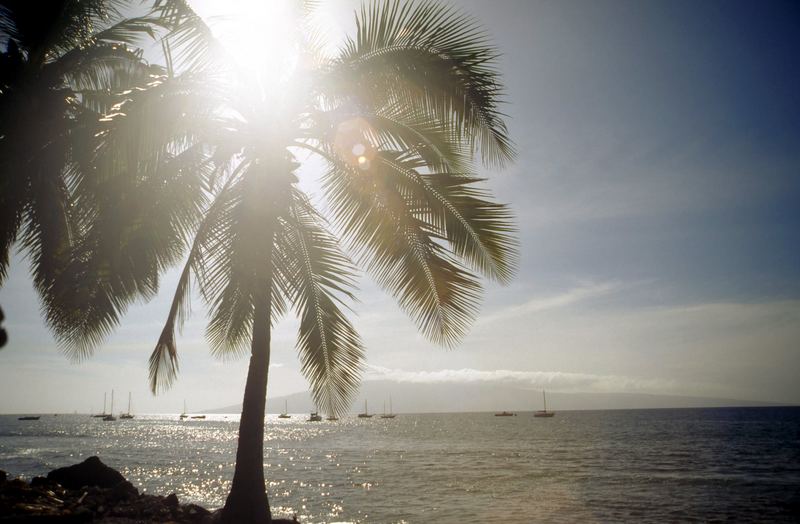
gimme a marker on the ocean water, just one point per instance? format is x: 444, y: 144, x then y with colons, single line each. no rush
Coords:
x: 682, y: 465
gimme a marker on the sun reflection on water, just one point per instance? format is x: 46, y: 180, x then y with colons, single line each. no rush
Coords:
x: 450, y: 468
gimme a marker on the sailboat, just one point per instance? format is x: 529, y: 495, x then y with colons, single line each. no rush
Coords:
x: 128, y: 414
x: 390, y: 414
x: 544, y: 412
x: 110, y: 417
x: 315, y: 416
x: 184, y: 415
x: 366, y: 413
x: 103, y: 414
x: 285, y: 413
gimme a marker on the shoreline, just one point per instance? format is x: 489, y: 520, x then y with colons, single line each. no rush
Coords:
x: 94, y: 492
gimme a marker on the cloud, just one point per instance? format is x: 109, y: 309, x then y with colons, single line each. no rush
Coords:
x: 553, y: 380
x: 570, y: 297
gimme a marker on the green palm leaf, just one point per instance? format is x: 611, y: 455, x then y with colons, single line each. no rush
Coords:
x: 319, y: 277
x: 427, y: 57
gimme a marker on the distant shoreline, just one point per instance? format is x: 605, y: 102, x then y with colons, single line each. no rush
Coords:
x: 764, y: 405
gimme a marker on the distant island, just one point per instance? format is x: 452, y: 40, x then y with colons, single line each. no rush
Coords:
x: 449, y: 397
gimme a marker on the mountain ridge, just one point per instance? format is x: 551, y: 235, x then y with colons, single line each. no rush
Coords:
x: 449, y: 398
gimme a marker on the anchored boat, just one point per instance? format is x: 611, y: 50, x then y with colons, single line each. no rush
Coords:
x: 128, y: 414
x: 285, y: 413
x: 390, y: 414
x: 366, y: 413
x: 543, y: 413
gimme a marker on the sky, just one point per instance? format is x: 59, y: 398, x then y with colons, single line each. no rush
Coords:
x: 656, y: 192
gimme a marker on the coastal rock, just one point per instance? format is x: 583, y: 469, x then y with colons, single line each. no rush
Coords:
x: 193, y: 510
x: 124, y: 491
x: 90, y: 472
x: 3, y: 476
x: 93, y: 492
x: 42, y: 482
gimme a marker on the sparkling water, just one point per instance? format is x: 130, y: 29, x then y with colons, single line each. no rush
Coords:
x: 740, y: 464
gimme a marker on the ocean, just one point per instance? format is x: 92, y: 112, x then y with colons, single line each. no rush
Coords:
x: 666, y: 465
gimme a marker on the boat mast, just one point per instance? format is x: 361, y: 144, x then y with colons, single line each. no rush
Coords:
x: 390, y: 405
x: 104, y: 402
x: 129, y: 402
x: 111, y: 411
x: 544, y: 397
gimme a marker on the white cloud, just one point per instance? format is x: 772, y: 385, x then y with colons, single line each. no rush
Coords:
x: 570, y: 297
x: 553, y: 380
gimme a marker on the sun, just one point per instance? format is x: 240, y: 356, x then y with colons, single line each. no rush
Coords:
x: 262, y: 36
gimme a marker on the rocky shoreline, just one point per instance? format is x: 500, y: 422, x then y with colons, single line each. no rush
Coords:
x: 93, y: 492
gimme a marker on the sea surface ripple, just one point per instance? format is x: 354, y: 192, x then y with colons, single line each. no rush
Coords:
x: 687, y: 465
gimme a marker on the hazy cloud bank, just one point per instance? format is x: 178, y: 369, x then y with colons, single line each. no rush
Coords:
x: 551, y: 380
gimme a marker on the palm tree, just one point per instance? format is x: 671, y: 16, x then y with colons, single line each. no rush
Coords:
x: 398, y: 117
x: 63, y: 64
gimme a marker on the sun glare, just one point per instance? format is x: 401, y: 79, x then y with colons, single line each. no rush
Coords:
x: 260, y: 35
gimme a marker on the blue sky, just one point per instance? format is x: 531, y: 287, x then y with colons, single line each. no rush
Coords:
x: 656, y: 191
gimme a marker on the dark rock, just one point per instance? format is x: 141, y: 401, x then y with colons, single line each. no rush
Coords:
x: 52, y: 499
x: 3, y: 476
x: 124, y: 491
x: 42, y: 482
x: 83, y: 513
x: 194, y: 509
x: 90, y: 472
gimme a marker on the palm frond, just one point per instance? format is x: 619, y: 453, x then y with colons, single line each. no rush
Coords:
x: 428, y: 57
x: 318, y: 277
x: 388, y: 229
x: 192, y: 44
x: 103, y: 68
x: 480, y: 231
x: 395, y: 128
x: 241, y: 256
x: 164, y: 359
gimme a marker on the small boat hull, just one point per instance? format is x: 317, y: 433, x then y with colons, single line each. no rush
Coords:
x: 544, y: 414
x: 28, y: 418
x: 505, y: 414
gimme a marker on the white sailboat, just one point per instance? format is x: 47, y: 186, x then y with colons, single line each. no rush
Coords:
x: 184, y: 415
x: 103, y: 414
x: 285, y: 413
x: 543, y: 413
x: 366, y: 413
x: 390, y: 414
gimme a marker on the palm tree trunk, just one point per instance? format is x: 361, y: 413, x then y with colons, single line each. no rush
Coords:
x: 247, y: 502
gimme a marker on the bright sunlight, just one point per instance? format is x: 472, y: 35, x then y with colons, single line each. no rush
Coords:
x: 260, y: 35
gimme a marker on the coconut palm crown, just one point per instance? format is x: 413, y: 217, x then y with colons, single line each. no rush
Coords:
x: 62, y: 66
x: 398, y: 118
